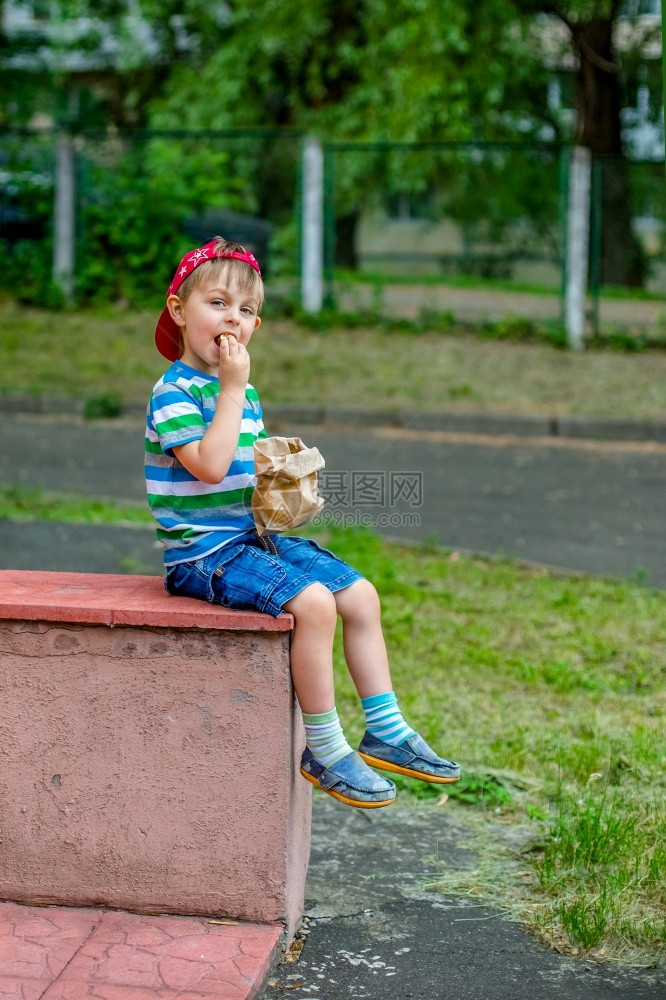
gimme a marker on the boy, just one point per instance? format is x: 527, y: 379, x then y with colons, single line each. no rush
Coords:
x: 203, y: 419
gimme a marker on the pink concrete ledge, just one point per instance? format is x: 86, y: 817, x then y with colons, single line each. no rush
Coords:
x: 57, y: 953
x: 107, y: 599
x: 149, y: 750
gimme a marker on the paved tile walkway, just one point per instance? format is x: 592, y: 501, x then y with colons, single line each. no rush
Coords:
x: 58, y: 953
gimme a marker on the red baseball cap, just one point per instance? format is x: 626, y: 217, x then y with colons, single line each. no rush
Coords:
x: 167, y: 334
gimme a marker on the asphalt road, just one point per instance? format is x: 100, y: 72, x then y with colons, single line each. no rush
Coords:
x: 595, y: 507
x: 589, y: 506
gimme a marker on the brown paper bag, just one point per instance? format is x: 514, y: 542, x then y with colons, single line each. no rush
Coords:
x: 286, y: 494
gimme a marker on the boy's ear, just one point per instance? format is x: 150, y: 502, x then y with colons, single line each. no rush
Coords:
x: 175, y: 307
x: 257, y: 322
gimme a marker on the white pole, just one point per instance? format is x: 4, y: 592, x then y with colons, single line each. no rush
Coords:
x: 578, y: 241
x: 63, y: 217
x: 312, y: 260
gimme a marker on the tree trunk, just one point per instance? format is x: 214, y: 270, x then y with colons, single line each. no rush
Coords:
x: 345, y: 240
x: 598, y: 103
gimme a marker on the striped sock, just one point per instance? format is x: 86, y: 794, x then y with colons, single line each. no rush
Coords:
x: 384, y: 719
x: 324, y: 737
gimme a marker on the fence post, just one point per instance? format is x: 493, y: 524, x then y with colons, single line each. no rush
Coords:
x: 329, y: 225
x: 578, y: 241
x: 64, y: 217
x: 595, y: 241
x: 312, y: 258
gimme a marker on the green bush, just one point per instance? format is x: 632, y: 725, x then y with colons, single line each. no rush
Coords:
x: 136, y: 196
x: 26, y: 190
x: 101, y: 407
x: 133, y: 197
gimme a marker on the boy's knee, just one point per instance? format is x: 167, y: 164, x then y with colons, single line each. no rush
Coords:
x: 315, y: 603
x: 360, y: 601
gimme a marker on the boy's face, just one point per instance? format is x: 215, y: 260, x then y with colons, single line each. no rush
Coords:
x: 213, y: 310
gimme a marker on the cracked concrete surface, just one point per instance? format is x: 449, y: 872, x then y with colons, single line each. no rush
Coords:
x: 376, y: 932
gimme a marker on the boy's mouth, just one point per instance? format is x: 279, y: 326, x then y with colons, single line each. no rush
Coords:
x: 219, y: 338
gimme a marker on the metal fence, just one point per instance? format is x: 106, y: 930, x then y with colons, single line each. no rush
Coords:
x: 438, y: 215
x: 450, y: 209
x: 140, y: 199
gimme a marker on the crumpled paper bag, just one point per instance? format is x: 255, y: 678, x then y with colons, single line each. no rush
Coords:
x: 286, y: 494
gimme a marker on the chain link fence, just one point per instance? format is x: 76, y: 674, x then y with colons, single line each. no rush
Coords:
x: 27, y: 182
x: 141, y: 199
x: 440, y: 217
x: 412, y: 228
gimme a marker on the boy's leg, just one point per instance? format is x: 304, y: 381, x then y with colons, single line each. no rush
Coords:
x: 389, y: 742
x: 328, y: 761
x: 363, y: 639
x: 315, y: 618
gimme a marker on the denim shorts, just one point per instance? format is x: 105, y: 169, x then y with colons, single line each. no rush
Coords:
x: 248, y: 575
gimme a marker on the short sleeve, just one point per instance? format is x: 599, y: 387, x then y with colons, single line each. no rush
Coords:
x: 176, y: 415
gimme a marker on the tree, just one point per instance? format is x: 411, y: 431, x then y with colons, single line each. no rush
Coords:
x: 591, y: 27
x: 372, y: 70
x: 94, y: 63
x: 84, y: 66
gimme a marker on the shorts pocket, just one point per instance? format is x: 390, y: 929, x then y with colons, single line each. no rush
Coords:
x: 188, y: 579
x: 320, y: 548
x: 195, y: 579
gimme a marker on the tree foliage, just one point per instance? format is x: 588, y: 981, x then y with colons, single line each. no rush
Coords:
x: 418, y: 71
x: 591, y: 27
x: 363, y: 69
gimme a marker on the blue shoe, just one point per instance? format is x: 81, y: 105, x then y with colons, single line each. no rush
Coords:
x: 349, y: 780
x: 413, y: 757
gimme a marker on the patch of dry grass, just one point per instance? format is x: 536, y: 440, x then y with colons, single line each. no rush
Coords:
x: 86, y: 354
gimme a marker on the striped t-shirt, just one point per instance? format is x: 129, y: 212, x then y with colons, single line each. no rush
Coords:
x: 196, y: 518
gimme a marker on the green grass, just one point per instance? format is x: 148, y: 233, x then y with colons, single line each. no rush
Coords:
x: 18, y: 503
x: 550, y: 691
x: 98, y: 356
x: 603, y: 854
x: 377, y: 278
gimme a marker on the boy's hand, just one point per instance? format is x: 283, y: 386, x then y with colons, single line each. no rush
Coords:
x: 234, y: 364
x: 209, y: 458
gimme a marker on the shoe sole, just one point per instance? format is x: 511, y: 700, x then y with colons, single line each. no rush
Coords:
x: 384, y: 765
x: 343, y: 798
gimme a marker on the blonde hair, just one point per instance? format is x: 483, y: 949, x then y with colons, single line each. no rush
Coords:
x: 225, y: 269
